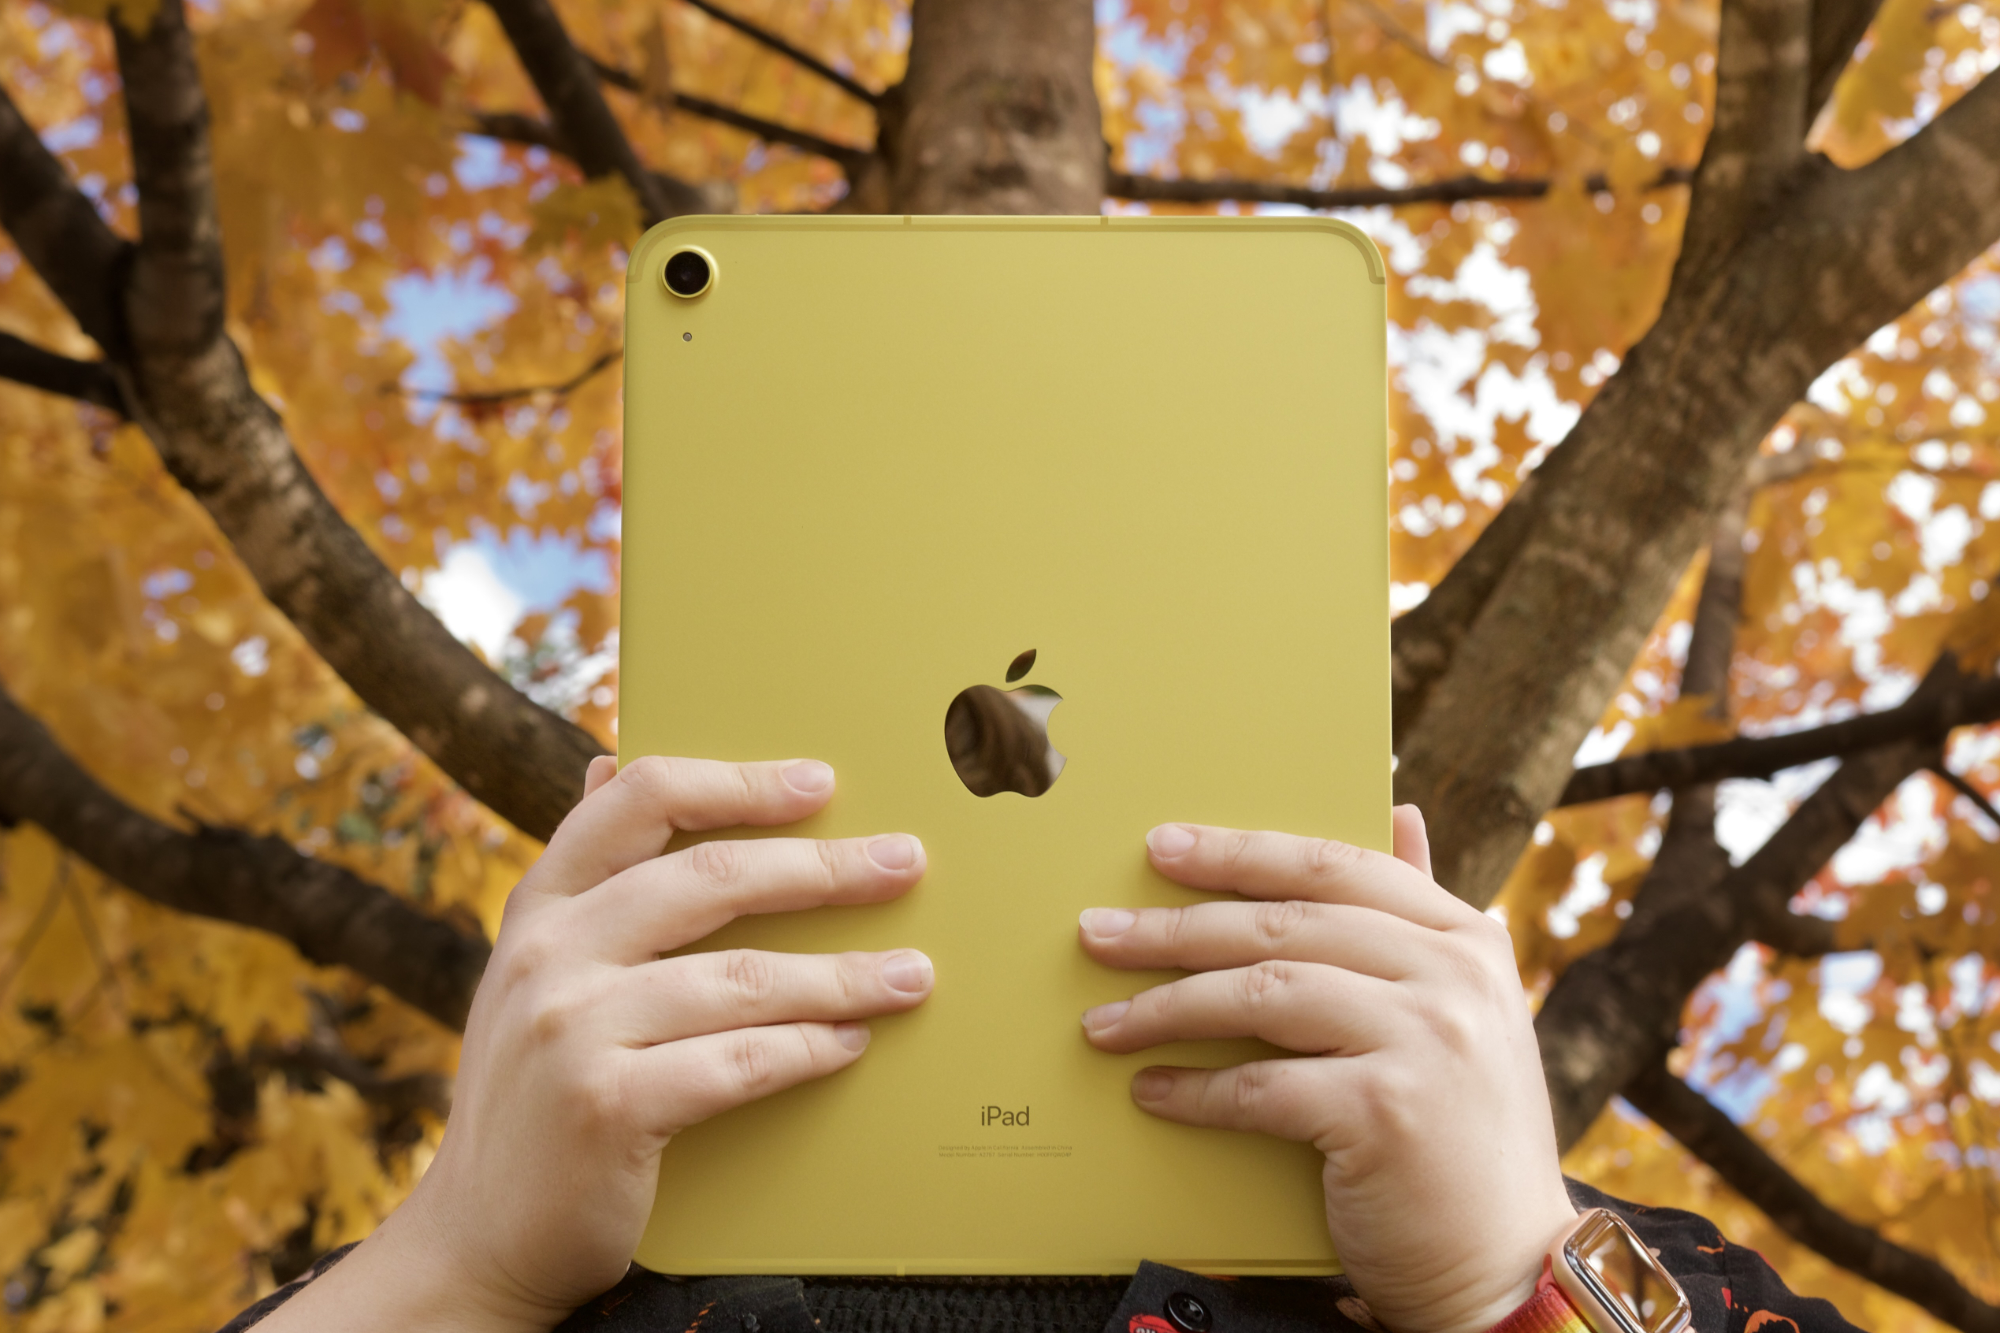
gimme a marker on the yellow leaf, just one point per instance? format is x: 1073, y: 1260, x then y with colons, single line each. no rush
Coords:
x: 595, y: 214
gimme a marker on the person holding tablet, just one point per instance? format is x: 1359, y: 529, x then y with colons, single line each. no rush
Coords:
x: 1418, y: 1078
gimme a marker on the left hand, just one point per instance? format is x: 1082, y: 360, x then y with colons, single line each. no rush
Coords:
x: 1423, y: 1083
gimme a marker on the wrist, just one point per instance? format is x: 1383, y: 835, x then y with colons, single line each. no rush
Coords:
x: 1548, y: 1309
x: 406, y: 1274
x: 1514, y: 1283
x: 463, y: 1289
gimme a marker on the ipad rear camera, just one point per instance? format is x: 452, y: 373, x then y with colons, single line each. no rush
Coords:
x: 689, y: 272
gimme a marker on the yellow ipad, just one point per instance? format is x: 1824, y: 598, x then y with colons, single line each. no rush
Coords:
x: 896, y: 489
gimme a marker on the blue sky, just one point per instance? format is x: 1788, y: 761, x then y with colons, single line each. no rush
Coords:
x: 481, y: 587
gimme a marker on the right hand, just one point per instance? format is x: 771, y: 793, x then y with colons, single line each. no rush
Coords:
x: 585, y: 1051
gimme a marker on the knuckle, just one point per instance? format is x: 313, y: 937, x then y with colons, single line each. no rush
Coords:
x: 528, y: 957
x: 1483, y: 966
x: 832, y: 863
x: 1388, y: 1098
x: 1494, y: 935
x: 753, y: 1065
x: 749, y: 977
x: 1279, y: 923
x: 718, y: 863
x: 1455, y: 1025
x: 652, y: 775
x: 555, y: 1013
x: 1327, y: 860
x: 598, y: 1103
x: 1251, y: 1089
x: 1176, y: 925
x: 1264, y: 982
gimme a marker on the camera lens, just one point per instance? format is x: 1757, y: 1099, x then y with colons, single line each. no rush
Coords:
x: 688, y: 273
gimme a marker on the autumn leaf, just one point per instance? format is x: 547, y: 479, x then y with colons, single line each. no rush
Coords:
x: 345, y: 32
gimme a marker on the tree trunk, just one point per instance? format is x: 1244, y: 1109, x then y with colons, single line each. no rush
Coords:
x: 998, y: 112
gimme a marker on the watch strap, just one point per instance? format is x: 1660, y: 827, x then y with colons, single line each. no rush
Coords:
x: 1548, y: 1310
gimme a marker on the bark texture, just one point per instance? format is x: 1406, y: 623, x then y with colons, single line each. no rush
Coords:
x: 998, y: 112
x: 331, y: 916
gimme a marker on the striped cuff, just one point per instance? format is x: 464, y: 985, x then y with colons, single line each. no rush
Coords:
x: 1547, y: 1311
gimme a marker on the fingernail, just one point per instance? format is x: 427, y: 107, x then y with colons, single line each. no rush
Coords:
x: 909, y: 973
x: 1104, y: 922
x: 895, y: 851
x: 809, y: 776
x: 853, y: 1036
x: 1149, y: 1085
x: 1104, y: 1015
x: 1170, y: 839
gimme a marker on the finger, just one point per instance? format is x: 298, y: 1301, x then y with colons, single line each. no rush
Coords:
x: 1281, y: 865
x: 1289, y: 1099
x: 686, y: 1082
x: 1305, y: 1007
x: 693, y: 996
x: 671, y: 901
x: 632, y: 815
x: 1408, y: 840
x: 601, y: 770
x: 1208, y: 937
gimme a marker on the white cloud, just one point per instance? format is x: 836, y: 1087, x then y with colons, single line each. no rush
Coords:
x: 471, y: 600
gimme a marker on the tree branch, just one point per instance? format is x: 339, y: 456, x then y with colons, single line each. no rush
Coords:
x: 563, y: 76
x: 1795, y: 934
x: 186, y: 385
x: 92, y: 382
x: 173, y: 300
x: 1837, y: 28
x: 519, y: 127
x: 1690, y: 862
x: 1921, y: 717
x: 1620, y: 506
x: 1971, y: 793
x: 331, y: 916
x: 522, y: 128
x: 321, y: 1052
x: 848, y: 156
x: 772, y: 41
x: 1617, y: 1011
x: 1704, y: 1130
x: 1125, y: 185
x: 495, y: 397
x: 58, y: 230
x: 1763, y: 65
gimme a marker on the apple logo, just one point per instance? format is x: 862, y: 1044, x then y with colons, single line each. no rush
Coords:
x: 998, y: 739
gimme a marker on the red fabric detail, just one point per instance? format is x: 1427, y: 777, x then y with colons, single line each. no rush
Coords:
x: 1765, y: 1318
x: 1149, y: 1323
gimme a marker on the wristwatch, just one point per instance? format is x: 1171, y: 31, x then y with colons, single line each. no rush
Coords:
x: 1615, y: 1281
x: 1599, y: 1276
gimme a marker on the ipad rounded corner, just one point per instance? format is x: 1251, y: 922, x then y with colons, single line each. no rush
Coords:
x: 1361, y: 241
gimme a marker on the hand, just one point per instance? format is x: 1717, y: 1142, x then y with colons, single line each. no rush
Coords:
x: 585, y: 1052
x: 1424, y: 1087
